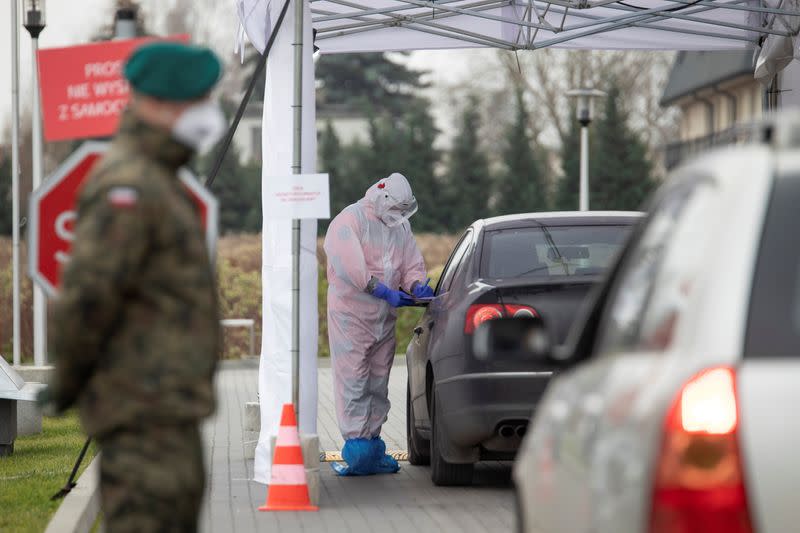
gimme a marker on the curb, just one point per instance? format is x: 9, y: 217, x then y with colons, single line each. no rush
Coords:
x: 78, y: 512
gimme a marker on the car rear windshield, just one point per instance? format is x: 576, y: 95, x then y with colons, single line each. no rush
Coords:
x: 773, y: 326
x: 551, y: 251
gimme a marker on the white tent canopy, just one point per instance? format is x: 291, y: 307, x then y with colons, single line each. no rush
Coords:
x: 392, y: 25
x: 380, y: 25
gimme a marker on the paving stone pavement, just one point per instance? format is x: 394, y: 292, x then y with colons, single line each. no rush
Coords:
x: 401, y: 502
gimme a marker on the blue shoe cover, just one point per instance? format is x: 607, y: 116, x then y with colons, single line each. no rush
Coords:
x: 384, y: 464
x: 365, y: 457
x: 360, y: 458
x: 387, y: 465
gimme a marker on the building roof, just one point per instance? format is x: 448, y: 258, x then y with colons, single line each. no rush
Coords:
x: 693, y: 71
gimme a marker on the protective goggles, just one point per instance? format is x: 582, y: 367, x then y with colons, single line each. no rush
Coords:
x: 400, y: 210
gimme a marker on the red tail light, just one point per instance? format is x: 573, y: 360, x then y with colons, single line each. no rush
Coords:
x: 477, y: 314
x: 699, y: 484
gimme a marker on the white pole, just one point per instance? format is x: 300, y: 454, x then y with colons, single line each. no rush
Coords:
x: 39, y: 301
x: 15, y: 177
x: 584, y: 186
x: 297, y: 169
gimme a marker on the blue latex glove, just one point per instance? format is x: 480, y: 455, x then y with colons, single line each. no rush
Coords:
x: 422, y: 291
x: 394, y: 298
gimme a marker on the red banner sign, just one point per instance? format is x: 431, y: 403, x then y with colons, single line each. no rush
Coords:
x: 83, y: 89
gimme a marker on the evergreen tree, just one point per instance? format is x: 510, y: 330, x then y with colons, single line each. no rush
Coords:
x: 521, y: 188
x: 345, y: 187
x: 238, y: 191
x: 251, y: 222
x: 402, y: 144
x: 237, y: 186
x: 418, y: 159
x: 367, y: 80
x: 468, y: 179
x: 621, y: 175
x: 5, y: 196
x: 567, y: 190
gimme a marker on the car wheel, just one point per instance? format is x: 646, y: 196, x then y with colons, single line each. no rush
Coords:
x: 442, y: 472
x: 418, y: 448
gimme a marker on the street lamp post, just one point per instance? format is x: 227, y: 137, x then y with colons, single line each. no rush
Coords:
x: 584, y: 111
x: 34, y: 23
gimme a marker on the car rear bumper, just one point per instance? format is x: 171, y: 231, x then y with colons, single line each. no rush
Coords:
x: 473, y: 406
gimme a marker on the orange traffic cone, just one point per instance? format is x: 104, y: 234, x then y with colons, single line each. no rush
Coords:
x: 288, y: 488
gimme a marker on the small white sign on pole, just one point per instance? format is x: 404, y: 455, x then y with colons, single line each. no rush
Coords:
x: 297, y: 196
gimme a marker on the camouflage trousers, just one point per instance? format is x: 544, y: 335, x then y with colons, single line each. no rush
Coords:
x: 152, y: 479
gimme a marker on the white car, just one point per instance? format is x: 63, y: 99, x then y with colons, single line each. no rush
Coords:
x: 675, y: 412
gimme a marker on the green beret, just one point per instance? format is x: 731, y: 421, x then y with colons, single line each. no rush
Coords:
x: 171, y: 70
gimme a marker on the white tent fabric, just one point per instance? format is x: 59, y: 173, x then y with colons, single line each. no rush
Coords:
x: 275, y: 370
x: 778, y: 51
x: 386, y: 25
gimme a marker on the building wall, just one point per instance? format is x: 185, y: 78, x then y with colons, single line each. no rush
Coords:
x: 712, y: 111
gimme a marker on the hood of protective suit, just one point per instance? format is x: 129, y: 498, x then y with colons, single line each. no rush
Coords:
x: 392, y: 200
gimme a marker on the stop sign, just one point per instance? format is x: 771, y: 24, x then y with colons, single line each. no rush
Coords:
x: 53, y: 213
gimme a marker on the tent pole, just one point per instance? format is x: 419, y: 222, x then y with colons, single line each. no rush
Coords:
x: 15, y: 177
x: 297, y: 169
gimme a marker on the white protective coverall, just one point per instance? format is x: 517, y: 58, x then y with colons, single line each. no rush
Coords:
x: 362, y: 250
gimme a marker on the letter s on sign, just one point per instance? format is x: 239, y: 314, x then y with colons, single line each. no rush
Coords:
x: 64, y: 231
x: 64, y: 219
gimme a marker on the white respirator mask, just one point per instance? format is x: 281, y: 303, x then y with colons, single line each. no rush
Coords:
x: 200, y: 126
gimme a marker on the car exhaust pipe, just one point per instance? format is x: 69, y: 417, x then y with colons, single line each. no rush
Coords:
x: 520, y: 431
x: 506, y: 432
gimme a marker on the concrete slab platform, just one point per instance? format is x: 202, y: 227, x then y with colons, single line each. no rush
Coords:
x: 401, y: 502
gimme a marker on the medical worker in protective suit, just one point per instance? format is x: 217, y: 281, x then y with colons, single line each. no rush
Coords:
x: 372, y: 254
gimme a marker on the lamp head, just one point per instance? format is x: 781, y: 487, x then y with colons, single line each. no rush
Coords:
x: 584, y: 110
x: 34, y: 17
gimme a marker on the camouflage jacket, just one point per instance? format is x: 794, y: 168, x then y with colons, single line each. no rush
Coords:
x: 135, y: 330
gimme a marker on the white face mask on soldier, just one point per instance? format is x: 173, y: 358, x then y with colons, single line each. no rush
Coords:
x: 200, y: 126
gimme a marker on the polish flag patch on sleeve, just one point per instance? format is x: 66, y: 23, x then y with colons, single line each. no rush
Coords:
x: 123, y: 197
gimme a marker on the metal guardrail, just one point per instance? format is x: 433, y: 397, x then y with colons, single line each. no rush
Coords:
x: 678, y: 152
x: 242, y: 323
x: 780, y: 130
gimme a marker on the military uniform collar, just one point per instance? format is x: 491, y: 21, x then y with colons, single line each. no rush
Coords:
x: 154, y: 142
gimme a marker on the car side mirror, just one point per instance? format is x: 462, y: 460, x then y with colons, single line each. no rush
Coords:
x: 513, y: 338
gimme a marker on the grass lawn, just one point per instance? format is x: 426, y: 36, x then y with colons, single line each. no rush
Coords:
x: 38, y: 468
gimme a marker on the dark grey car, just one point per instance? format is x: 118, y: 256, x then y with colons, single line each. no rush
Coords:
x: 461, y: 410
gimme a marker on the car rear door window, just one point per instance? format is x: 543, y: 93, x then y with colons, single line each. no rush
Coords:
x: 548, y: 251
x: 773, y: 324
x: 625, y: 310
x: 685, y: 259
x: 454, y: 262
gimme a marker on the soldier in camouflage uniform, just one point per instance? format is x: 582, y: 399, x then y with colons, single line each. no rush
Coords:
x: 135, y: 330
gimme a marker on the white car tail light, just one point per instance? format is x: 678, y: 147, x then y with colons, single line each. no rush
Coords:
x: 699, y: 484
